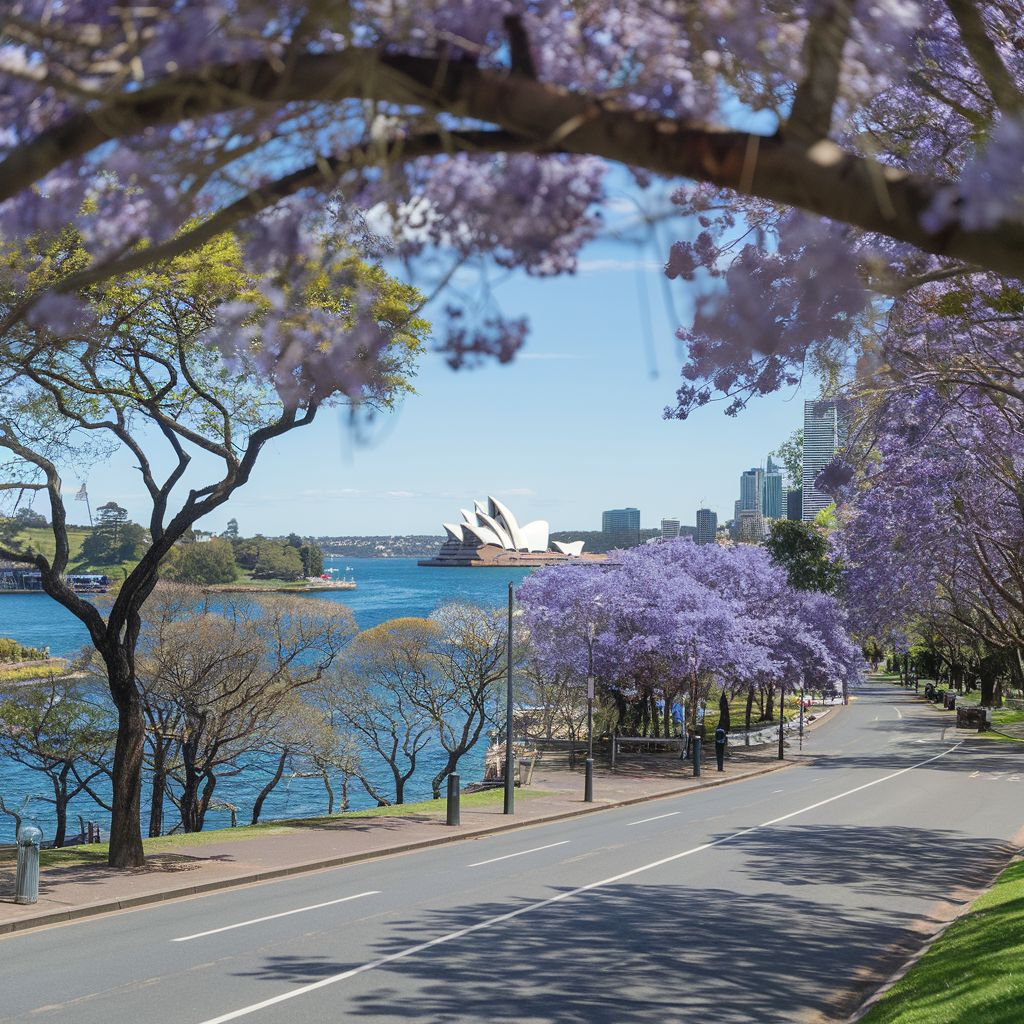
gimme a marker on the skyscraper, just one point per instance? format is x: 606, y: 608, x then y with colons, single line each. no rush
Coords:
x: 795, y: 503
x: 669, y: 529
x: 622, y: 526
x: 772, y: 505
x: 824, y: 436
x: 751, y: 488
x: 707, y: 526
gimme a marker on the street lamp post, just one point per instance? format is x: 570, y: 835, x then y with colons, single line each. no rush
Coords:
x: 590, y: 693
x: 801, y: 713
x: 782, y: 714
x: 510, y: 782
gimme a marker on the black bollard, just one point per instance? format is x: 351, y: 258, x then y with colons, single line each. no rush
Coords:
x: 696, y: 755
x: 588, y: 780
x: 453, y: 800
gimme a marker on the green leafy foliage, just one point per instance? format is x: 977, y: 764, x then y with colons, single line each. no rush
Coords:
x: 210, y: 562
x: 802, y: 550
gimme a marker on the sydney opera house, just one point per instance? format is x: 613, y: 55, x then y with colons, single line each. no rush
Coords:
x: 492, y: 536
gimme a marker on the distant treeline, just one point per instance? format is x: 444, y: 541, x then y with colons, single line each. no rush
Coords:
x: 411, y: 546
x: 426, y: 545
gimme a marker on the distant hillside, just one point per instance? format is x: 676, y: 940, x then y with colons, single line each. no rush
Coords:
x: 410, y: 546
x: 420, y: 545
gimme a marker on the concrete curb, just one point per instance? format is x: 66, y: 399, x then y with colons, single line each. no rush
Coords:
x: 237, y: 881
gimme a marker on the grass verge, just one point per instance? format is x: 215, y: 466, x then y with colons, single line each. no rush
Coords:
x: 972, y: 972
x: 96, y: 853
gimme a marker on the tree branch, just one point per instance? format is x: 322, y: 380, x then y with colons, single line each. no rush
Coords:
x: 983, y: 52
x: 811, y: 115
x: 822, y: 179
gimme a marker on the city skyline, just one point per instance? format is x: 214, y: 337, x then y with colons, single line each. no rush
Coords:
x: 583, y: 402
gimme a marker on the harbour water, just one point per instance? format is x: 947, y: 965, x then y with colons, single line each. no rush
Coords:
x: 386, y: 588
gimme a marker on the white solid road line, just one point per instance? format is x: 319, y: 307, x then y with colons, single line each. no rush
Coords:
x: 272, y: 917
x: 494, y: 860
x: 490, y: 922
x: 657, y: 817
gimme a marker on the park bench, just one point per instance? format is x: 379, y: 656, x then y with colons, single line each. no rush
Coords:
x: 638, y: 743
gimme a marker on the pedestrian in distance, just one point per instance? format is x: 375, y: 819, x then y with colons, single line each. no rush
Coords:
x: 721, y: 738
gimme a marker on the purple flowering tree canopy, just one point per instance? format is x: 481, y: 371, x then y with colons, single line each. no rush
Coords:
x: 675, y: 615
x: 887, y: 153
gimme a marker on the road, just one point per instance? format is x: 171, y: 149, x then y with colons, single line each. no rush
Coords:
x: 782, y: 898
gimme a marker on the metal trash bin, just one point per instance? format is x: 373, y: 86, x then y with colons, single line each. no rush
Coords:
x: 26, y: 879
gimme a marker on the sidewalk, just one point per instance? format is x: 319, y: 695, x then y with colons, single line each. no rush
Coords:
x: 67, y: 893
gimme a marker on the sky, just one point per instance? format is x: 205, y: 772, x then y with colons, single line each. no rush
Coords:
x: 572, y: 427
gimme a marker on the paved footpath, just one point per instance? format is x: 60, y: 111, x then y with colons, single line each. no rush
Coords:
x: 85, y: 890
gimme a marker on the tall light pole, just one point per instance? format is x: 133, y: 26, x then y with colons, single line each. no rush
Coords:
x: 510, y: 782
x: 590, y: 692
x: 782, y: 713
x: 801, y: 712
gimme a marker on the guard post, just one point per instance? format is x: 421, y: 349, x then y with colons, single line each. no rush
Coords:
x: 453, y: 817
x: 26, y: 878
x: 696, y: 755
x: 588, y: 781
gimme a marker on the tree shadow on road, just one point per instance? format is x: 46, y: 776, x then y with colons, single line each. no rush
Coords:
x: 627, y: 953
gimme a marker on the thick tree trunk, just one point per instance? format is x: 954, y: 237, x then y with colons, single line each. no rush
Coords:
x: 769, y: 711
x: 269, y: 787
x: 190, y: 800
x: 126, y: 800
x: 655, y: 721
x: 330, y: 793
x: 750, y: 706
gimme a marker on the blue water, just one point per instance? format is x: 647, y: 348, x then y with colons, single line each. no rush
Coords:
x: 386, y: 588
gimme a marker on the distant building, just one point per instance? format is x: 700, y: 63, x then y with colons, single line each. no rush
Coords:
x: 794, y: 503
x: 771, y: 495
x: 824, y: 436
x: 669, y: 529
x: 707, y: 526
x: 490, y: 535
x: 622, y: 526
x: 751, y: 488
x: 751, y: 527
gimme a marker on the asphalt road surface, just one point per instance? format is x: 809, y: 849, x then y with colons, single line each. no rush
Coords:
x: 783, y: 898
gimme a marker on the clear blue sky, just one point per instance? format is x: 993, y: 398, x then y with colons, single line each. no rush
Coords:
x: 572, y: 427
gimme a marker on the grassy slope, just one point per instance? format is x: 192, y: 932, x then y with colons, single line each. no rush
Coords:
x: 972, y: 973
x: 41, y: 539
x: 97, y: 852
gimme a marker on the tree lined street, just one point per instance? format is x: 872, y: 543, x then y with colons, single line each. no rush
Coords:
x: 784, y: 898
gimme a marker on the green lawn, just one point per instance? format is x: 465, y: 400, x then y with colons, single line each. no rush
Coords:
x: 41, y: 539
x: 96, y: 853
x: 972, y: 973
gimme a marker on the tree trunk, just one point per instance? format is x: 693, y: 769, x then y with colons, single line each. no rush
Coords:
x: 60, y: 805
x: 750, y: 705
x: 156, y: 799
x: 189, y: 804
x: 769, y: 711
x: 269, y: 787
x: 125, y: 838
x: 330, y: 792
x: 655, y: 722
